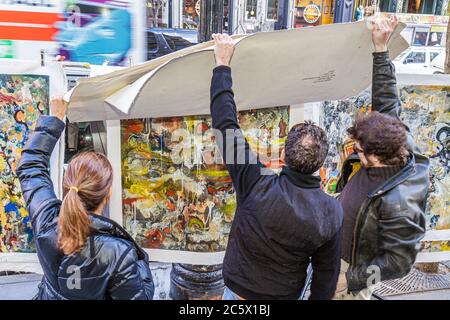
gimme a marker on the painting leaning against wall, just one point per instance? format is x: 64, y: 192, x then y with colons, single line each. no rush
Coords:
x: 426, y: 111
x: 177, y: 193
x: 23, y: 98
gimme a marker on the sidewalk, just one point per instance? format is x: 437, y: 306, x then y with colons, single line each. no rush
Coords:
x: 24, y: 287
x: 19, y: 287
x: 427, y: 295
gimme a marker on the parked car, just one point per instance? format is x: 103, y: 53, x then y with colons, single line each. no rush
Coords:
x: 418, y: 60
x: 163, y: 41
x: 438, y: 63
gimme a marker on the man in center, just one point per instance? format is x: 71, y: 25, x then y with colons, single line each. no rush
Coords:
x: 282, y: 222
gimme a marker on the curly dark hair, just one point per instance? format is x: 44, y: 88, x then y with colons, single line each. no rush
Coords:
x: 382, y: 136
x: 306, y: 148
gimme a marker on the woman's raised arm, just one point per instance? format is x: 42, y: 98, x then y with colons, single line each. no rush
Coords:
x: 34, y: 167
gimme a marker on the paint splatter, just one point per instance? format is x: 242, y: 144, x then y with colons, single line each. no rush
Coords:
x: 177, y: 193
x: 23, y: 98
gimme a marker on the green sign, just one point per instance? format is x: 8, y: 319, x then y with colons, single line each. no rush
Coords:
x: 6, y: 49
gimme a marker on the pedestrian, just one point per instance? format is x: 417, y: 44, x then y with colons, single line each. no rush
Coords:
x: 83, y: 254
x: 384, y: 186
x: 359, y: 13
x: 282, y: 223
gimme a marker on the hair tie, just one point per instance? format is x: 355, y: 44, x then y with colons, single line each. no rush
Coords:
x: 74, y: 188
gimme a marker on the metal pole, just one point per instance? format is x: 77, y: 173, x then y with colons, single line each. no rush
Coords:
x: 170, y: 13
x: 211, y: 19
x: 230, y: 16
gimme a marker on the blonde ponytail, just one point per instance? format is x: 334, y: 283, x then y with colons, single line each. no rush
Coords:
x: 86, y: 186
x: 73, y: 223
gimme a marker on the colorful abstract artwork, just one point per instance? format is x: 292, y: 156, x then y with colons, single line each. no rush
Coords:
x: 177, y: 193
x: 23, y: 98
x: 435, y: 246
x: 426, y: 111
x: 336, y: 117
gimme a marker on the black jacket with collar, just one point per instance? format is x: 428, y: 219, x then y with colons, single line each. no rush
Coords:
x: 391, y: 221
x: 281, y: 222
x: 110, y: 266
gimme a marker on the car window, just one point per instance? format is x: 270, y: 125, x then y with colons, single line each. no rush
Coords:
x: 152, y: 42
x: 420, y: 38
x: 433, y: 54
x: 170, y: 42
x: 401, y: 55
x: 415, y: 57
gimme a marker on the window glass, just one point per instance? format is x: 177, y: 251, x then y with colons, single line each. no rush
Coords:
x: 152, y: 42
x: 272, y: 9
x: 420, y: 38
x: 436, y: 39
x: 433, y: 54
x: 415, y: 57
x: 251, y: 8
x: 191, y: 13
x: 157, y: 13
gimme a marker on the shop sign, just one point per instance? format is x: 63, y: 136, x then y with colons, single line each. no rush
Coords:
x: 312, y: 13
x: 418, y: 18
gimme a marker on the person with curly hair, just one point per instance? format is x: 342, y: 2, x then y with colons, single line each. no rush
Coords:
x: 383, y: 186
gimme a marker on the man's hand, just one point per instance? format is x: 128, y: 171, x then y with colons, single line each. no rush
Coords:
x: 223, y: 49
x: 382, y: 29
x: 58, y: 107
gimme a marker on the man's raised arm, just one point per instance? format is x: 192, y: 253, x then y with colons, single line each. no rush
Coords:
x: 241, y: 162
x: 384, y: 84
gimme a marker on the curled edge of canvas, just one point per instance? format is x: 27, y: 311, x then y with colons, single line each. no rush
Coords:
x: 121, y: 99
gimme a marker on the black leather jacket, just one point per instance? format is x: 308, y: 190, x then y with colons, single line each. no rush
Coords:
x: 391, y: 221
x: 110, y: 266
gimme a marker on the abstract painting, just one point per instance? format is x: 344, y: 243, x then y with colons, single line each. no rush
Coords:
x: 177, y: 194
x: 426, y: 111
x: 337, y: 116
x: 23, y: 98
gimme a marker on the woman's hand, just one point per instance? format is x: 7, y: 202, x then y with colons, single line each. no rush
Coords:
x: 224, y: 49
x: 382, y: 30
x: 58, y: 107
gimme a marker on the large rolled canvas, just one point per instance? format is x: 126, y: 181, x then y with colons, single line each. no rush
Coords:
x: 271, y: 68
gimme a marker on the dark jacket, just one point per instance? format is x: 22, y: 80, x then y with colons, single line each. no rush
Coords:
x: 281, y: 222
x: 391, y: 221
x: 110, y: 266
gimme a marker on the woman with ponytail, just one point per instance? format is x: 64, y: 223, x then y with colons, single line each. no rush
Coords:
x: 83, y: 254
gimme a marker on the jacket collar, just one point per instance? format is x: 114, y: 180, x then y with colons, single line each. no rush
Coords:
x: 307, y: 181
x: 397, y: 179
x: 100, y: 224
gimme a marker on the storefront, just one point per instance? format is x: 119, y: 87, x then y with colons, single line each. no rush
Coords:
x: 256, y: 15
x: 312, y: 13
x: 433, y: 7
